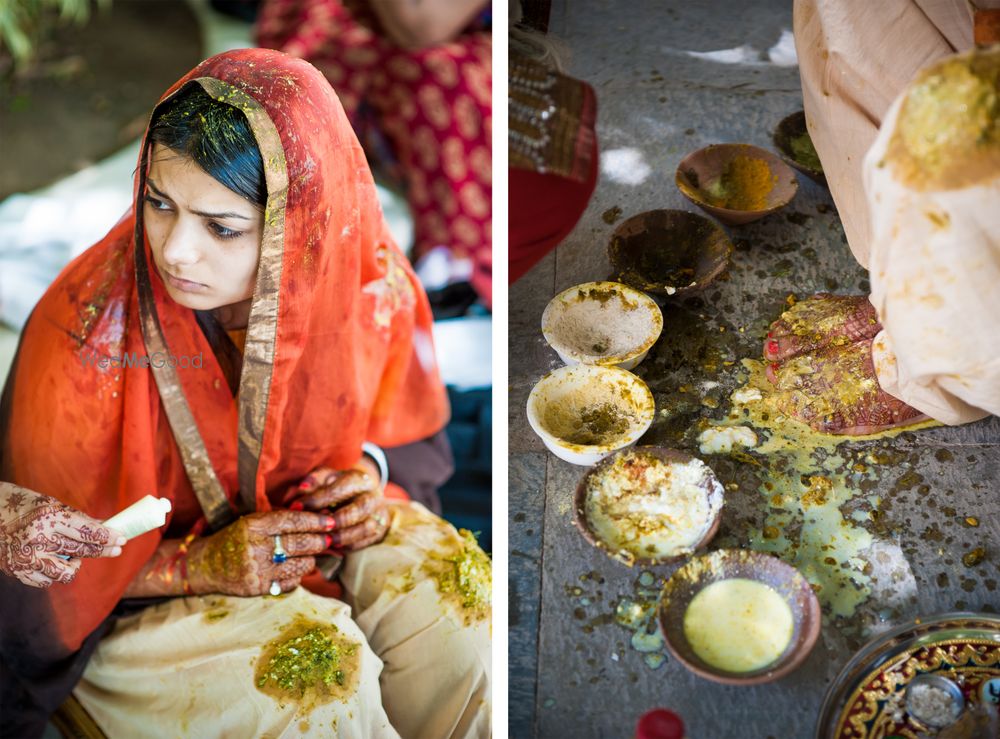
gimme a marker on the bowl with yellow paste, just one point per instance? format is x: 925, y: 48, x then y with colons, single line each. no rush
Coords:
x: 649, y: 505
x: 736, y: 183
x: 603, y: 323
x: 791, y: 139
x: 583, y: 412
x: 669, y: 252
x: 739, y: 617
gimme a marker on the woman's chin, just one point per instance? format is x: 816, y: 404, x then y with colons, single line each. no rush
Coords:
x: 194, y: 301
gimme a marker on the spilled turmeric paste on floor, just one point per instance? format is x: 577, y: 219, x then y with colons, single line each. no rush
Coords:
x: 806, y: 479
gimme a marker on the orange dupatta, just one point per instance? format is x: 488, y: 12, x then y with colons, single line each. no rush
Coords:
x: 338, y: 350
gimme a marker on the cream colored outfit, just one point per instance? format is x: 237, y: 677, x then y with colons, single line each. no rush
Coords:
x: 424, y: 667
x: 935, y: 289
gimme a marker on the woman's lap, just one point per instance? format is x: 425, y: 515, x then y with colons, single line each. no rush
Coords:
x: 190, y: 666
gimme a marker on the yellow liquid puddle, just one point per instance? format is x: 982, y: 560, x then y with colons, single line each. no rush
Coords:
x: 805, y: 484
x: 738, y: 625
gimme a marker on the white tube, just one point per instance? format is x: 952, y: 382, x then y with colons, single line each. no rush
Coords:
x: 144, y: 515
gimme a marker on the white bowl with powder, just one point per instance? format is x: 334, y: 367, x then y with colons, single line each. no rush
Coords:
x: 602, y: 323
x: 583, y: 413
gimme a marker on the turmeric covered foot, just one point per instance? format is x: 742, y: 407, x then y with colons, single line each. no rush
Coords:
x: 822, y: 368
x: 821, y: 321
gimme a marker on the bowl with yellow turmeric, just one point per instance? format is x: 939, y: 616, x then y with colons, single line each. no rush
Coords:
x: 585, y: 412
x: 736, y: 183
x: 791, y: 139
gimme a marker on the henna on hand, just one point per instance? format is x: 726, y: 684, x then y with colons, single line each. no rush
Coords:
x: 36, y: 529
x: 238, y: 559
x: 355, y: 497
x: 371, y: 530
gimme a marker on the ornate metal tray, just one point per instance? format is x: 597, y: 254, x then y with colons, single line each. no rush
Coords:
x: 866, y: 699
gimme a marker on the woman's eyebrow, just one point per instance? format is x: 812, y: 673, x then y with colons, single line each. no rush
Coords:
x: 203, y: 214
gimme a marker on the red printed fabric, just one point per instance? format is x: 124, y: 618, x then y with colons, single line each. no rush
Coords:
x: 434, y: 106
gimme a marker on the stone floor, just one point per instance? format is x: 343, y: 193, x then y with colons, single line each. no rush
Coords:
x: 572, y: 669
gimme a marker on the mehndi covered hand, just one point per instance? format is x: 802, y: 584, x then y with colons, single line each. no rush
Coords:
x: 35, y: 529
x: 356, y: 502
x: 240, y: 559
x: 822, y: 367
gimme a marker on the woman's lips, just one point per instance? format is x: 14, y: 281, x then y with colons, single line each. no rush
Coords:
x: 185, y: 285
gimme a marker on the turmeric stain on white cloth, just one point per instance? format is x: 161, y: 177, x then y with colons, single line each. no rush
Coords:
x: 169, y: 671
x: 186, y: 667
x: 935, y: 265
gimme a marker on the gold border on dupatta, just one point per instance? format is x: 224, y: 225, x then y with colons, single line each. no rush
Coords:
x: 262, y: 331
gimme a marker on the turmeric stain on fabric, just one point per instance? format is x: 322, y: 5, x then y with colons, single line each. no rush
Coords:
x: 463, y: 573
x: 308, y: 663
x: 947, y: 135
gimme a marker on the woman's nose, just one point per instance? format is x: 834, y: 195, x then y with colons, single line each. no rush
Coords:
x: 181, y: 244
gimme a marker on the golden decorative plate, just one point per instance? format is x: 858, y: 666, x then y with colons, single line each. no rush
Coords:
x: 866, y: 699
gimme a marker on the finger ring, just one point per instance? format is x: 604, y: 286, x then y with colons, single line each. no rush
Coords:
x: 380, y: 519
x: 280, y: 555
x: 275, y: 588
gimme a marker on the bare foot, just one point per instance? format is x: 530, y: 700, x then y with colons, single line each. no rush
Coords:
x: 819, y: 321
x: 823, y: 373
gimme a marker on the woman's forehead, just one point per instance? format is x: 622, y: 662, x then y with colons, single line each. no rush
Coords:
x: 178, y: 176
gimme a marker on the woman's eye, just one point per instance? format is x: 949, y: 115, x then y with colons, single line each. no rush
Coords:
x: 222, y: 232
x: 157, y: 204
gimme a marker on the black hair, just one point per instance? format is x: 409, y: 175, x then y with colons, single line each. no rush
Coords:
x: 217, y: 137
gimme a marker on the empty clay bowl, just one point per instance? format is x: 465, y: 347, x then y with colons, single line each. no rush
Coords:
x: 669, y: 252
x: 583, y: 412
x: 685, y: 484
x: 736, y: 183
x: 726, y: 564
x: 604, y: 323
x: 791, y: 139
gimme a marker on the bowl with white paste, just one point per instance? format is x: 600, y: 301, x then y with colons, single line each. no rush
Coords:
x: 585, y: 412
x: 649, y: 505
x: 739, y: 617
x: 602, y: 323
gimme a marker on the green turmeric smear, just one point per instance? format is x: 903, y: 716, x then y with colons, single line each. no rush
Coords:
x: 744, y: 185
x: 222, y: 558
x: 604, y: 296
x: 637, y: 612
x: 217, y: 610
x: 463, y: 574
x: 598, y: 424
x: 308, y: 662
x: 947, y: 135
x: 804, y: 152
x: 808, y: 482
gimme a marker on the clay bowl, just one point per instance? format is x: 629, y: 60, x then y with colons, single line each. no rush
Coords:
x: 792, y: 127
x: 669, y: 252
x: 604, y: 323
x: 724, y: 564
x: 700, y: 179
x: 560, y: 400
x: 710, y: 484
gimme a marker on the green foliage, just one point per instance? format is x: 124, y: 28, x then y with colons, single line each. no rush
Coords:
x: 25, y: 23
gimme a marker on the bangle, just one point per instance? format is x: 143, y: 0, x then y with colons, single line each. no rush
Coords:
x: 375, y: 453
